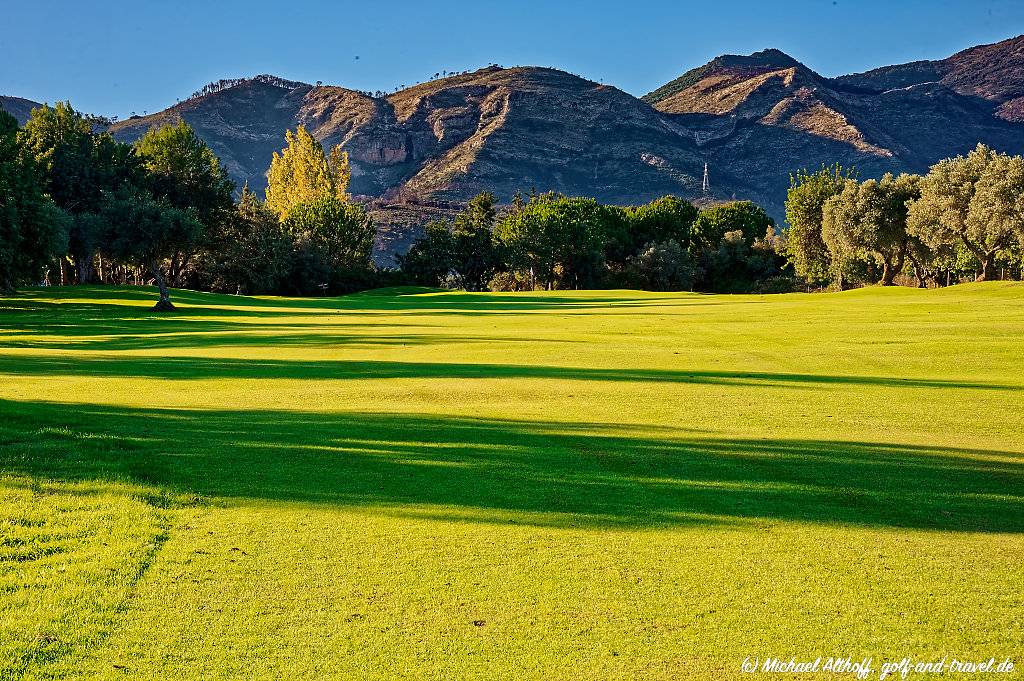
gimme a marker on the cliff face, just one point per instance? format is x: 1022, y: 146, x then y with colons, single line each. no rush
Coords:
x: 520, y: 129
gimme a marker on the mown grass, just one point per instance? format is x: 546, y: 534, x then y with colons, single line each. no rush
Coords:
x: 408, y: 484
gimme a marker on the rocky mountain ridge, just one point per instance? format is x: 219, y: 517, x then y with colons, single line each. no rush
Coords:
x: 765, y: 115
x: 752, y: 118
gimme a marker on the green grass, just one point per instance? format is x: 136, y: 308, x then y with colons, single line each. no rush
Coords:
x: 406, y: 484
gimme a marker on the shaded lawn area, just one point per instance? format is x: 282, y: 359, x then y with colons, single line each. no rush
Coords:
x: 554, y: 473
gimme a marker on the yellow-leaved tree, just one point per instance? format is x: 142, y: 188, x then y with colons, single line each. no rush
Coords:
x: 302, y: 172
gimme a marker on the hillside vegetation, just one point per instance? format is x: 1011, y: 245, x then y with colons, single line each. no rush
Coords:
x: 753, y: 119
x: 417, y: 484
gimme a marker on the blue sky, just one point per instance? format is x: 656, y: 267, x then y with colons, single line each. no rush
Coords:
x: 116, y: 57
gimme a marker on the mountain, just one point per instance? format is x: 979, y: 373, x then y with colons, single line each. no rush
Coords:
x: 991, y: 73
x: 421, y: 152
x: 763, y: 115
x: 18, y: 107
x: 504, y: 130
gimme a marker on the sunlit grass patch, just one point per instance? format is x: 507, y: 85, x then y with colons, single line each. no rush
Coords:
x: 71, y: 554
x: 600, y: 484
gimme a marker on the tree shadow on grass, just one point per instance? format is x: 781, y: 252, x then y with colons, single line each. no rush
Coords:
x: 501, y: 471
x: 256, y: 336
x: 100, y: 318
x: 386, y: 301
x: 192, y: 368
x: 111, y: 327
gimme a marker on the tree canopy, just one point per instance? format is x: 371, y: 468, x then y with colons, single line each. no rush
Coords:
x: 973, y: 200
x: 183, y: 170
x: 869, y: 220
x: 334, y: 239
x: 559, y: 239
x: 32, y: 229
x: 78, y: 167
x: 147, y: 231
x: 302, y: 173
x: 805, y: 202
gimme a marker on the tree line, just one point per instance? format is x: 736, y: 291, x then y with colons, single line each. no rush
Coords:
x: 963, y: 220
x: 551, y: 241
x: 228, y: 83
x: 79, y: 207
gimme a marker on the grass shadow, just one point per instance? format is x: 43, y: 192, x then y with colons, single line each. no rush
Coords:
x: 388, y: 301
x: 489, y: 470
x: 191, y: 368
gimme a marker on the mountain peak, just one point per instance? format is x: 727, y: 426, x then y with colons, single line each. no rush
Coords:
x: 769, y: 57
x: 229, y: 83
x: 747, y: 65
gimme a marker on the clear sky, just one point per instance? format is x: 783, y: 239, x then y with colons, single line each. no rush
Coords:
x: 115, y: 57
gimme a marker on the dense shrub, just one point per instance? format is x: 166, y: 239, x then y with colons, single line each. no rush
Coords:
x: 333, y: 243
x: 663, y: 266
x: 510, y: 281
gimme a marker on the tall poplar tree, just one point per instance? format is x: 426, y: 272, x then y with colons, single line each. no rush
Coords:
x: 302, y: 173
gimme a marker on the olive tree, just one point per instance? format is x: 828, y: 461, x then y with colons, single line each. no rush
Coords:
x: 147, y: 231
x: 869, y: 219
x: 805, y: 202
x: 973, y: 201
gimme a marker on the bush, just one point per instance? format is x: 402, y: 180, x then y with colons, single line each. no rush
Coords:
x: 663, y: 266
x: 510, y: 281
x: 780, y: 283
x: 333, y: 246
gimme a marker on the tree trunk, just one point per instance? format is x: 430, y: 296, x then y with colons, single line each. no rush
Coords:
x: 921, y: 277
x: 179, y: 264
x: 901, y: 259
x: 164, y: 304
x: 173, y: 270
x: 987, y: 263
x: 888, y: 273
x: 920, y: 273
x: 84, y: 268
